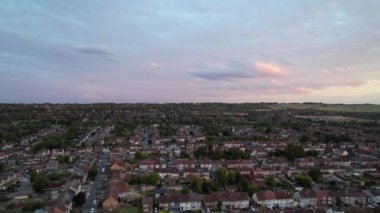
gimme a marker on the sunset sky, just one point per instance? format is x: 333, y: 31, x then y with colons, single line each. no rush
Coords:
x: 87, y: 51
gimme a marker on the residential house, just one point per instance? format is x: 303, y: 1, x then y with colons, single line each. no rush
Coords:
x: 111, y: 201
x: 265, y: 198
x: 147, y: 205
x: 305, y: 162
x: 167, y: 172
x: 118, y: 165
x: 306, y: 198
x: 185, y: 164
x: 228, y: 200
x: 52, y: 165
x: 243, y: 163
x: 150, y: 165
x: 373, y: 195
x: 270, y: 199
x: 284, y: 199
x: 325, y: 197
x: 63, y: 204
x: 180, y: 203
x: 352, y: 198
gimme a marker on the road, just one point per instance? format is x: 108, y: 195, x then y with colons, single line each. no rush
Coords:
x: 147, y: 138
x: 96, y: 187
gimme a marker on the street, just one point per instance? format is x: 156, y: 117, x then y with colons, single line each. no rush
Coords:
x: 96, y: 186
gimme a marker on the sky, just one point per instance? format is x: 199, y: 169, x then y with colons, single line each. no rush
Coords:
x: 86, y: 51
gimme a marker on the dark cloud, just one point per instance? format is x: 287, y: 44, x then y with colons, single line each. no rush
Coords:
x: 222, y: 75
x: 100, y: 50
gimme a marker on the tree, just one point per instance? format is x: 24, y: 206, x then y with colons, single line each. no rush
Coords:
x: 251, y: 189
x: 185, y: 190
x: 234, y: 153
x: 304, y: 138
x: 79, y: 199
x: 92, y: 172
x: 152, y: 178
x: 196, y: 186
x: 40, y: 182
x: 139, y: 155
x: 303, y: 180
x: 312, y: 153
x: 270, y: 182
x: 216, y: 154
x: 2, y: 167
x: 219, y: 205
x: 33, y: 175
x: 315, y: 173
x: 208, y: 187
x: 231, y: 178
x: 184, y: 154
x: 293, y: 151
x: 201, y: 152
x: 221, y: 176
x: 63, y: 159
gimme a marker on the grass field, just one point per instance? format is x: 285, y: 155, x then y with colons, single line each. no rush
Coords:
x: 329, y: 107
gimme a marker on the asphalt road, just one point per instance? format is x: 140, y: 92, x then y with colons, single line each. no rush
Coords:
x: 96, y: 186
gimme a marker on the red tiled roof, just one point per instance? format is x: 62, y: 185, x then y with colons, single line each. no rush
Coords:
x: 266, y: 195
x: 179, y: 198
x: 230, y: 196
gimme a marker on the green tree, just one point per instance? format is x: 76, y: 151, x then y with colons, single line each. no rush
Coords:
x: 40, y: 182
x: 231, y: 178
x: 139, y: 155
x: 92, y: 172
x: 33, y: 175
x: 270, y: 181
x: 201, y: 152
x: 312, y: 153
x: 2, y: 167
x: 221, y: 176
x: 185, y: 190
x: 196, y: 186
x: 303, y: 180
x: 208, y: 187
x: 152, y: 178
x: 251, y: 189
x: 315, y: 173
x: 219, y: 205
x: 293, y: 151
x: 216, y: 154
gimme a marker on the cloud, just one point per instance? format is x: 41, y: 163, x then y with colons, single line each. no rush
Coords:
x: 221, y: 75
x: 99, y: 50
x: 154, y: 65
x: 241, y: 70
x: 270, y: 69
x: 93, y: 97
x: 353, y: 83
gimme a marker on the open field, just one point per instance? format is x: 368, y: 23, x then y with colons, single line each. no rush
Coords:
x: 332, y: 118
x: 329, y: 107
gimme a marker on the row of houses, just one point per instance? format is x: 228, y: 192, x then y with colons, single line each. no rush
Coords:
x: 316, y: 198
x: 193, y: 202
x: 269, y: 199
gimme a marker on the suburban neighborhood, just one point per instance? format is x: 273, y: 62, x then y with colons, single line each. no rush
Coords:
x: 188, y: 158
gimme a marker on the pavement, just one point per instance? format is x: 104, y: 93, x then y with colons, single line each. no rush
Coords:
x: 96, y: 187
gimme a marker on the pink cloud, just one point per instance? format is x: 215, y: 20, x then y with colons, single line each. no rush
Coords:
x: 269, y: 68
x: 353, y: 83
x: 339, y: 70
x: 301, y: 90
x: 93, y: 97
